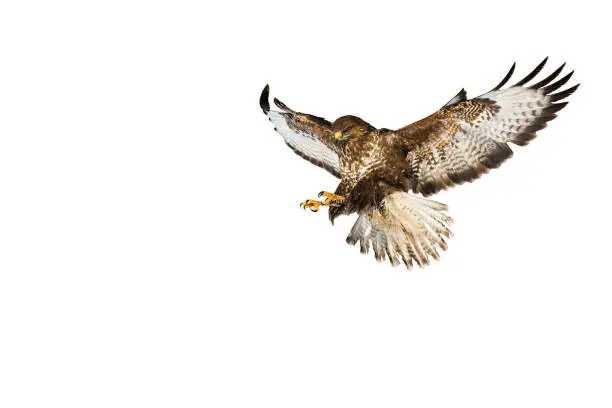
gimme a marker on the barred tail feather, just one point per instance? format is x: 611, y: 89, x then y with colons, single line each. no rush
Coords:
x: 406, y: 227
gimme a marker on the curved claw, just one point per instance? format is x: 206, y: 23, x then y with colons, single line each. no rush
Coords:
x: 331, y: 200
x: 311, y: 204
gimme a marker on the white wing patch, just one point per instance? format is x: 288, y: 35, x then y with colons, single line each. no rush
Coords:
x: 518, y: 109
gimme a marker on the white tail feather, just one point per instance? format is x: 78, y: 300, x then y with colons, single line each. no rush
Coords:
x: 406, y: 227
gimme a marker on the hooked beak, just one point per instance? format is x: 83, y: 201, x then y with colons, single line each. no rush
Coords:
x: 338, y: 135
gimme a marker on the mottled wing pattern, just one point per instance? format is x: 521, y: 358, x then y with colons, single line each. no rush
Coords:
x: 467, y: 138
x: 308, y: 136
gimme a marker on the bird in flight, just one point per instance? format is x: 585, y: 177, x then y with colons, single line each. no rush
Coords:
x: 378, y: 168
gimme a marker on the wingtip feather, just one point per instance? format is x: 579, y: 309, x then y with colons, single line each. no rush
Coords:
x: 506, y: 78
x: 556, y: 85
x: 549, y: 78
x: 563, y: 94
x: 264, y: 99
x: 532, y: 74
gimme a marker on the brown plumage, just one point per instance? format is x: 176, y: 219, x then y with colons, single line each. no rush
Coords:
x: 377, y: 167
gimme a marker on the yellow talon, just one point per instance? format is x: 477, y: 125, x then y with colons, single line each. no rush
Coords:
x: 331, y: 200
x: 312, y: 204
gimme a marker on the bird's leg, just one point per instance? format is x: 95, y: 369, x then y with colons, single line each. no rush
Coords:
x: 331, y: 200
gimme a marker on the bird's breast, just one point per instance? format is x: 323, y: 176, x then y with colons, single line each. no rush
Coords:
x: 361, y: 158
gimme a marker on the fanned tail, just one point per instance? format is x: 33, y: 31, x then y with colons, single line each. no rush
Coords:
x: 406, y: 227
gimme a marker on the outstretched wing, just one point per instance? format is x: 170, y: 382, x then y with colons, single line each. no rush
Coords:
x: 466, y: 138
x: 307, y: 135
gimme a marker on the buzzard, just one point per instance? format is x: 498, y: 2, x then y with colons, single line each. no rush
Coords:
x: 378, y: 168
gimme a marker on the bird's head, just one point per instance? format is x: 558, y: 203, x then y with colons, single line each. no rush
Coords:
x: 348, y: 127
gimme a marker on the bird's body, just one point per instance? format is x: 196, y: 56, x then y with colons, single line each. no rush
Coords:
x: 371, y: 167
x: 378, y: 167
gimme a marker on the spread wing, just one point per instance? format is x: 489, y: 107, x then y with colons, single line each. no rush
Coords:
x: 307, y: 135
x: 467, y: 137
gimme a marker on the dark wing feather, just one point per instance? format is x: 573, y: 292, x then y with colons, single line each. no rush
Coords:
x: 460, y: 97
x: 308, y: 136
x: 462, y: 141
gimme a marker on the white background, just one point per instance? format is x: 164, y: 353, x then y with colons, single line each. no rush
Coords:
x: 153, y: 254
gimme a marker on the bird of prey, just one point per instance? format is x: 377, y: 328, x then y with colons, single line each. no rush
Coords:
x: 379, y: 167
